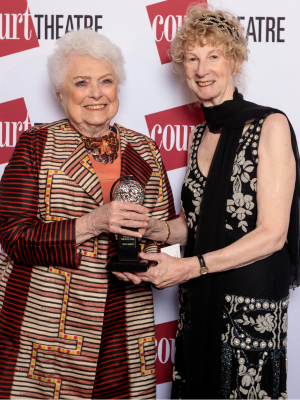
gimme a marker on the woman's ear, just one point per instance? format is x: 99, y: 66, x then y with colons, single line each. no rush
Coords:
x: 236, y: 67
x: 59, y: 96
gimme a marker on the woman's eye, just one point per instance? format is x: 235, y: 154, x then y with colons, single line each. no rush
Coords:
x: 107, y: 81
x: 192, y: 58
x: 80, y: 83
x: 214, y: 57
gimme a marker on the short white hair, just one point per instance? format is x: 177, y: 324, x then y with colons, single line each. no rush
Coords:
x: 83, y: 42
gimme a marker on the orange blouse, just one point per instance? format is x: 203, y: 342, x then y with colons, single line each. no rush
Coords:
x: 107, y: 174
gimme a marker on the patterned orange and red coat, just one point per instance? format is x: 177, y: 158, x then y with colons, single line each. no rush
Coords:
x: 53, y: 293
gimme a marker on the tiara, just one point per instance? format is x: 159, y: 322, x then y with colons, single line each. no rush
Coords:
x: 221, y: 23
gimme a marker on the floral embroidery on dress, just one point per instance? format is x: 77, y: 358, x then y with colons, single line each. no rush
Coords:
x: 196, y: 186
x: 283, y: 396
x: 175, y: 374
x: 263, y: 322
x: 285, y: 323
x: 197, y: 190
x: 250, y: 382
x: 239, y: 207
x: 242, y: 167
x: 254, y: 335
x: 243, y: 173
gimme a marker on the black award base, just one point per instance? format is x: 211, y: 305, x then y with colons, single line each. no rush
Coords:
x: 131, y: 266
x: 127, y: 256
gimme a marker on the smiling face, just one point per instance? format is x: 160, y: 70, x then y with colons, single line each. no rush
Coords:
x: 90, y: 95
x: 209, y: 74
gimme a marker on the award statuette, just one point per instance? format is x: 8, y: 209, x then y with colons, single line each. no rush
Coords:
x: 127, y: 190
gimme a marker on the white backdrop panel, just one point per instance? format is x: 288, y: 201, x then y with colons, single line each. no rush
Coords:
x: 271, y: 78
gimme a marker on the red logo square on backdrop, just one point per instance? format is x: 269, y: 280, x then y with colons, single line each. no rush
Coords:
x: 17, y: 32
x: 166, y: 18
x: 170, y: 129
x: 165, y: 351
x: 14, y: 120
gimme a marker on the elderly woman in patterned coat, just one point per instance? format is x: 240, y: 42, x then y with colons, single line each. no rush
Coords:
x: 70, y: 329
x: 239, y: 222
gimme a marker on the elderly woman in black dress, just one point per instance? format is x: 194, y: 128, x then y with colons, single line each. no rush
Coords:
x: 239, y: 222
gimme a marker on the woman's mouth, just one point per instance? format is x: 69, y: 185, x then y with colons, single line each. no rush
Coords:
x: 204, y: 84
x: 95, y: 107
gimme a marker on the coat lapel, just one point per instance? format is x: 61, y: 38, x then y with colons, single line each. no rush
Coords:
x: 131, y: 162
x: 79, y: 168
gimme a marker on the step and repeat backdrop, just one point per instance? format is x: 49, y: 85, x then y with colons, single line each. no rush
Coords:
x: 153, y: 100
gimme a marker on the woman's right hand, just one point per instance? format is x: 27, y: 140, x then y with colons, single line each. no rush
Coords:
x: 114, y: 217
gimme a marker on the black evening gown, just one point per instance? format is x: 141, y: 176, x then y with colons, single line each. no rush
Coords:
x: 243, y: 342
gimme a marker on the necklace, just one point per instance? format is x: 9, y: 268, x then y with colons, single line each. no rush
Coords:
x: 103, y: 149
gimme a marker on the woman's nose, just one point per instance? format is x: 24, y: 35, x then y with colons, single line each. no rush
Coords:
x: 202, y: 69
x: 96, y: 91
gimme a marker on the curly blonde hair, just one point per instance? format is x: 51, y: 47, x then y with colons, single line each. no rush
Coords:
x: 203, y: 25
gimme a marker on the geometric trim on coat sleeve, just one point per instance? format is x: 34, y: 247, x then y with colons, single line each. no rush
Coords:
x: 85, y: 163
x: 95, y: 251
x: 36, y: 348
x: 142, y: 356
x: 48, y: 187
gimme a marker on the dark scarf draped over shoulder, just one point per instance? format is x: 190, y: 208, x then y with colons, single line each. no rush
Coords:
x: 204, y: 295
x: 229, y: 118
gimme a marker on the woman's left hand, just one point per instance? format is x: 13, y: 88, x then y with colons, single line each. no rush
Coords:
x: 168, y: 272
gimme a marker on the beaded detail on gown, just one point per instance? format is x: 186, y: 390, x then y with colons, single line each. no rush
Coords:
x: 254, y: 326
